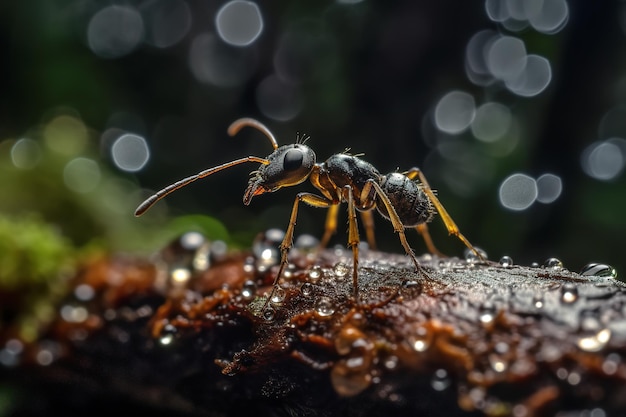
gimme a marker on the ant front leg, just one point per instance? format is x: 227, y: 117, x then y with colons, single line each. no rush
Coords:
x: 313, y: 200
x: 453, y: 229
x: 353, y: 241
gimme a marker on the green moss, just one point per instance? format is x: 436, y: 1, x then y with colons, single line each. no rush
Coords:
x: 31, y: 251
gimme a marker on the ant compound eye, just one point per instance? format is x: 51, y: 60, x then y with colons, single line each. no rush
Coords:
x: 292, y: 160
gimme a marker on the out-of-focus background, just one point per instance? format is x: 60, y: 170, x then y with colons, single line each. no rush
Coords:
x: 514, y: 109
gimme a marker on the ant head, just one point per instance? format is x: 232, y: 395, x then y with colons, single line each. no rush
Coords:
x: 288, y: 165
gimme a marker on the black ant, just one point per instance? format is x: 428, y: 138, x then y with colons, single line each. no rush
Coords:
x: 398, y: 197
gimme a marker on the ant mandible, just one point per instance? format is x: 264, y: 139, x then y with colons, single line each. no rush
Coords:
x: 405, y: 198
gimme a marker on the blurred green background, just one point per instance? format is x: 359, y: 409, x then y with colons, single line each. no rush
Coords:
x: 102, y: 103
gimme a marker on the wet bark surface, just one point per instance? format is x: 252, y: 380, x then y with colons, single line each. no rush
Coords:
x: 192, y: 332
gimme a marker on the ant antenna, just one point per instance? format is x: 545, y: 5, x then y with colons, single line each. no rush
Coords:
x: 238, y: 124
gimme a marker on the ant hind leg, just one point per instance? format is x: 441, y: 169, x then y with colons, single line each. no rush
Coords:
x: 453, y: 229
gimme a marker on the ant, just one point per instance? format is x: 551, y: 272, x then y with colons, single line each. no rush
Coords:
x: 405, y: 199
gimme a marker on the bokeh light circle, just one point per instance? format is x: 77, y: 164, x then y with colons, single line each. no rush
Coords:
x: 534, y: 79
x: 603, y: 160
x: 239, y: 23
x: 506, y: 58
x: 130, y: 152
x: 455, y: 112
x: 518, y: 192
x: 549, y: 188
x: 492, y: 122
x: 81, y: 175
x: 115, y: 31
x: 26, y: 153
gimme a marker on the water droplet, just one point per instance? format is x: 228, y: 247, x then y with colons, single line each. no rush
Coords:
x: 10, y: 354
x: 315, y: 273
x: 248, y: 291
x: 278, y: 295
x: 596, y: 342
x: 266, y: 247
x: 598, y: 270
x: 391, y: 362
x: 413, y: 288
x: 498, y: 363
x: 74, y: 314
x: 179, y: 276
x: 48, y: 352
x: 487, y: 314
x: 553, y: 263
x: 306, y: 243
x: 471, y: 257
x: 268, y: 313
x: 589, y: 321
x: 325, y: 307
x: 440, y: 380
x: 340, y: 270
x: 421, y: 340
x: 569, y: 293
x: 534, y: 265
x: 348, y: 380
x: 573, y: 378
x: 611, y: 363
x: 506, y: 261
x: 84, y: 292
x: 166, y: 339
x: 306, y: 289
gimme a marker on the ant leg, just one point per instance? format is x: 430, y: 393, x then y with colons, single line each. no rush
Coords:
x: 396, y: 222
x: 367, y: 217
x: 353, y: 241
x: 422, y: 229
x: 313, y: 200
x: 330, y: 227
x: 453, y: 229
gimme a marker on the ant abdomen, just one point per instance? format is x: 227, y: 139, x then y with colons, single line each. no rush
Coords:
x: 408, y: 199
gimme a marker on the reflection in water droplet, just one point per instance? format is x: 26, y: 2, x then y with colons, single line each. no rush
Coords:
x: 487, y: 314
x: 340, y: 270
x: 248, y: 290
x: 596, y: 342
x: 506, y: 261
x: 315, y: 273
x: 391, y: 362
x: 166, y: 339
x: 348, y: 380
x: 440, y: 380
x: 471, y: 257
x: 278, y: 296
x: 268, y: 313
x: 569, y: 293
x: 306, y: 288
x: 538, y: 301
x: 599, y: 270
x: 325, y: 307
x: 421, y: 340
x: 553, y: 263
x: 498, y: 363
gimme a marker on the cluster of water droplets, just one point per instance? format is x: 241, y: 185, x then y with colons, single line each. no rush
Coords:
x: 185, y: 257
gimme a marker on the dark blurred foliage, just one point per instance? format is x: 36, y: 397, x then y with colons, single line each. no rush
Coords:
x: 364, y: 76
